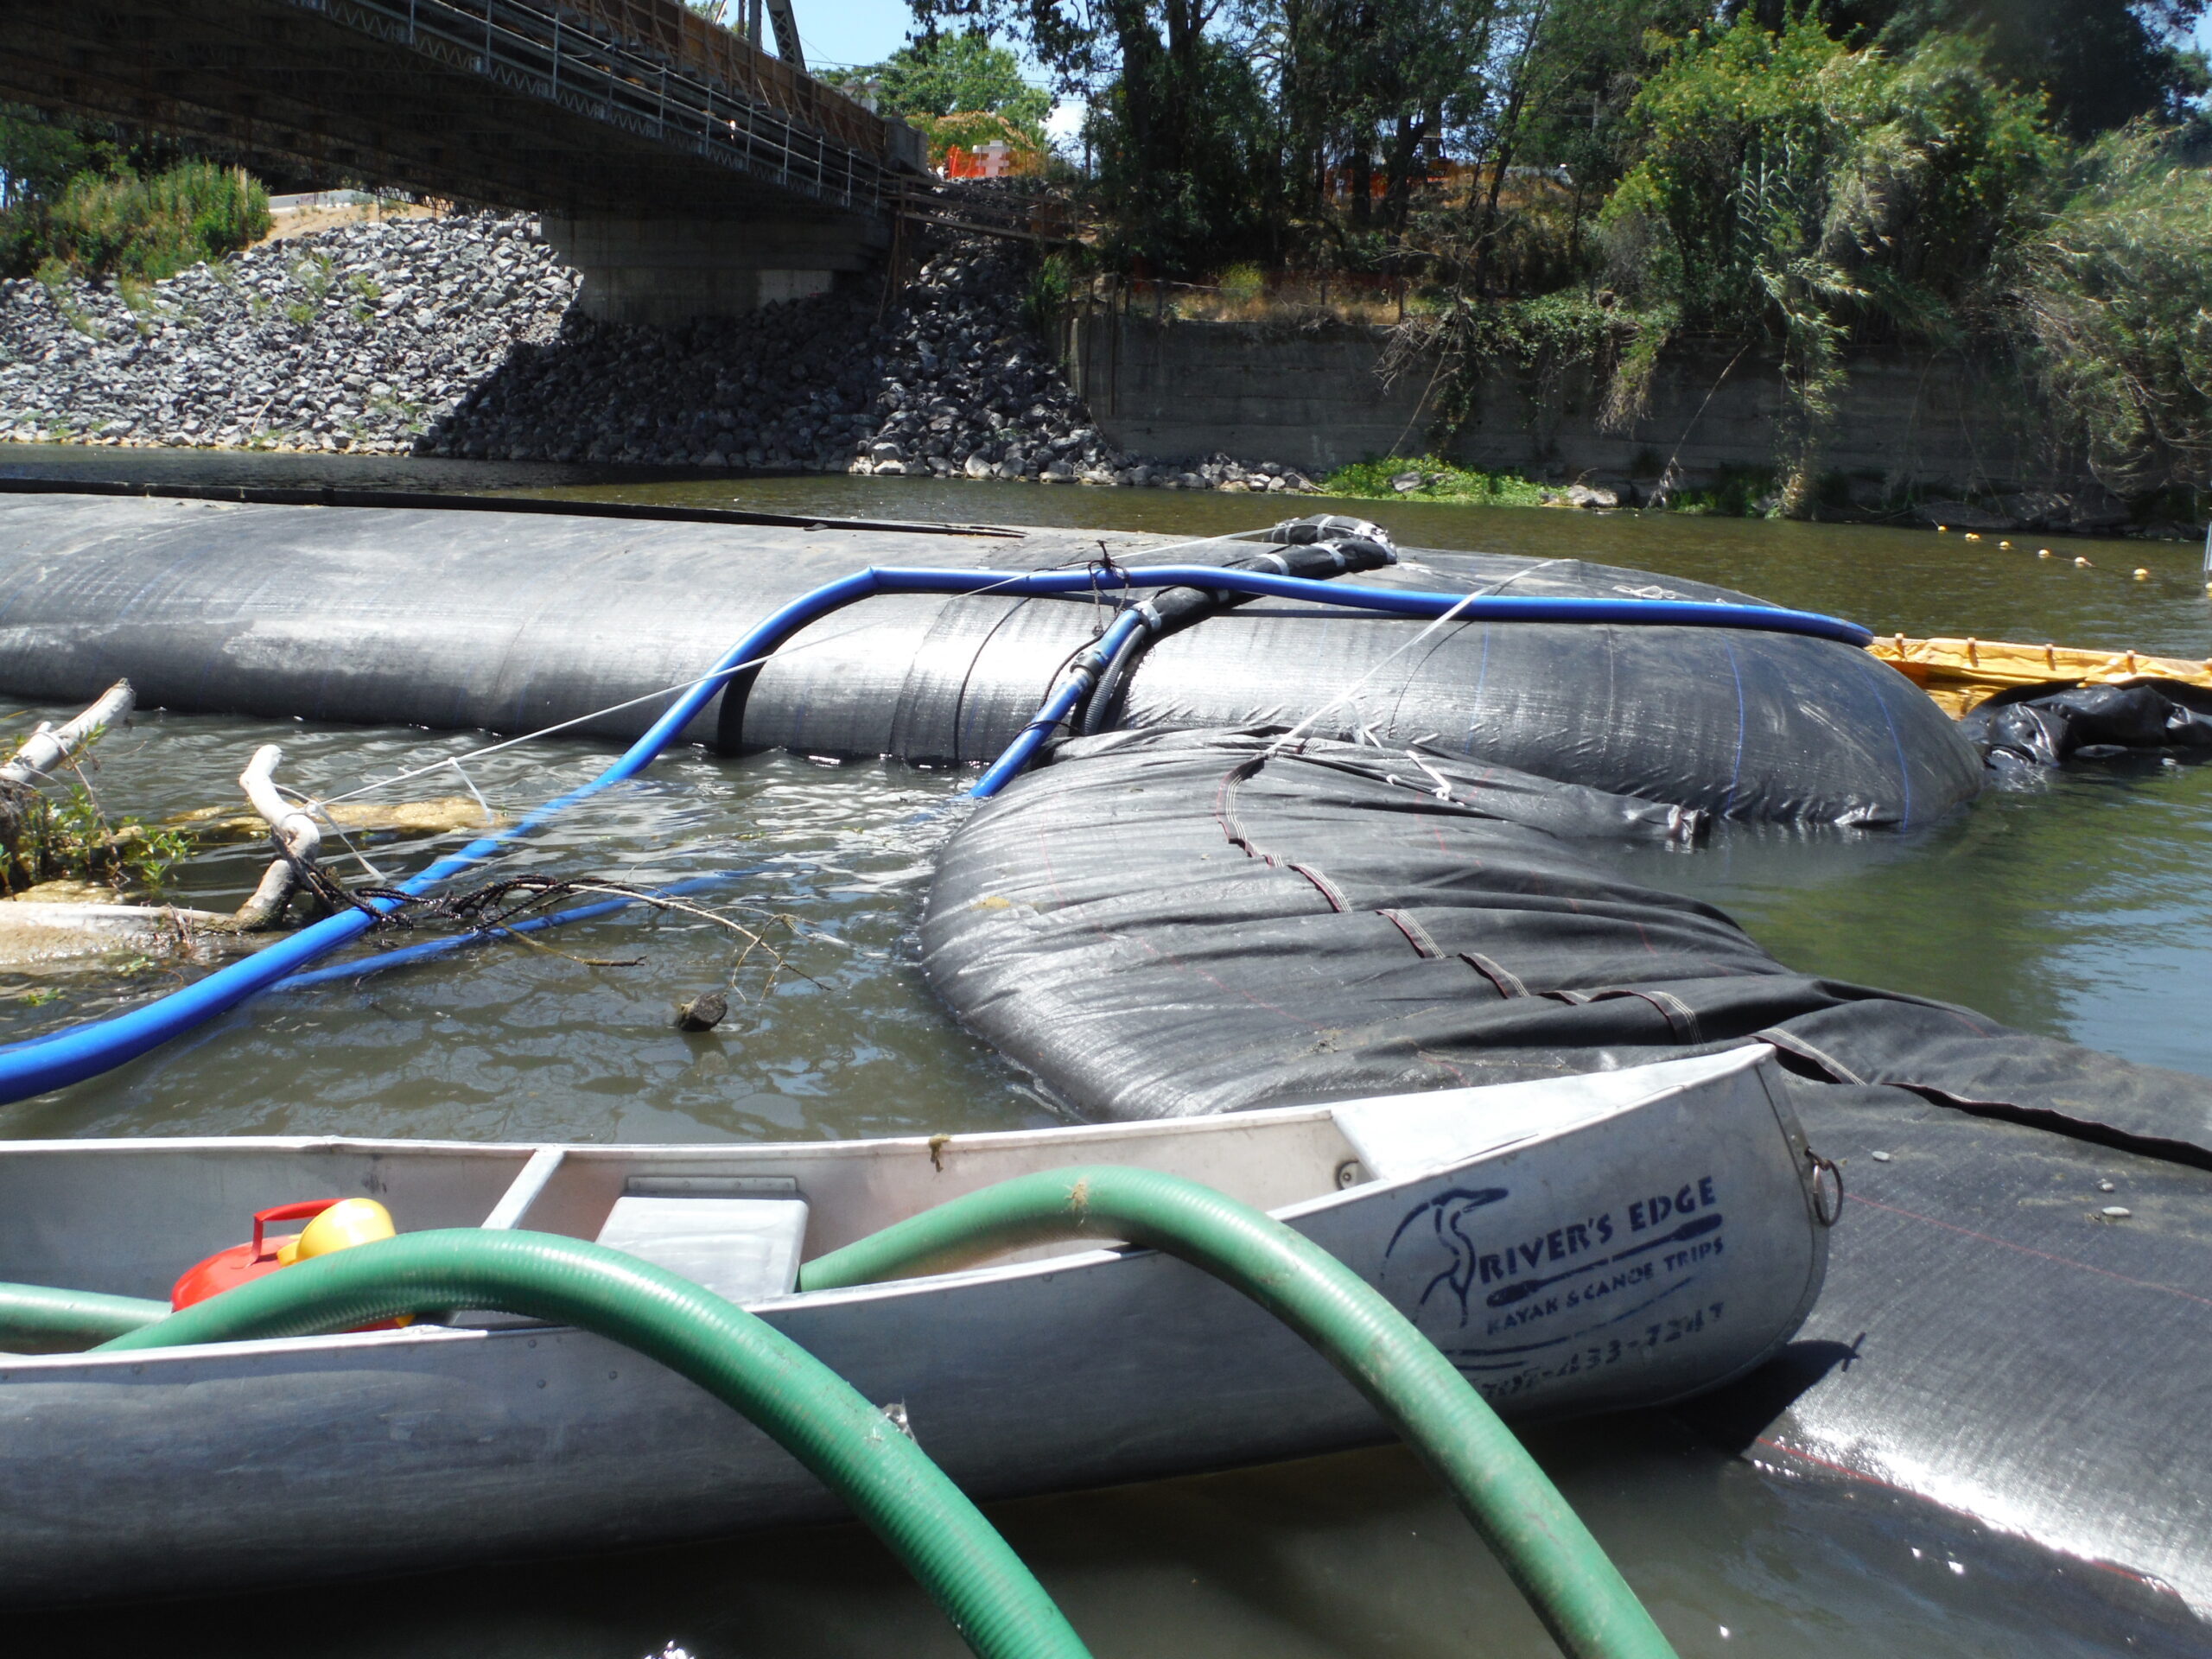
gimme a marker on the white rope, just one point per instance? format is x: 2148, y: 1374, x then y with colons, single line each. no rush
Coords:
x: 1501, y: 585
x: 1352, y: 690
x: 360, y: 857
x: 454, y: 762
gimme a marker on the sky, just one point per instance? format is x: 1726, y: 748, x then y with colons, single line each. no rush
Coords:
x: 839, y: 34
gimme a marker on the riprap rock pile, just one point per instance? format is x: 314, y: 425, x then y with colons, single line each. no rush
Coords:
x: 457, y: 337
x: 356, y: 338
x: 950, y: 381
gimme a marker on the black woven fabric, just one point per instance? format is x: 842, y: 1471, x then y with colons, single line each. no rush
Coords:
x: 2014, y: 1320
x: 463, y: 620
x: 1165, y: 923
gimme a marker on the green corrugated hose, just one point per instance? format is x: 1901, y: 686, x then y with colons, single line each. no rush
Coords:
x: 81, y: 1316
x: 992, y: 1599
x: 1576, y: 1591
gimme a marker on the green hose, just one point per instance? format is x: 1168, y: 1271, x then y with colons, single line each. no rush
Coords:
x: 1576, y: 1591
x: 994, y: 1602
x: 71, y: 1315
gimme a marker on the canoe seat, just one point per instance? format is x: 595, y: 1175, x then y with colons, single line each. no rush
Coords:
x: 743, y: 1250
x: 1400, y: 1135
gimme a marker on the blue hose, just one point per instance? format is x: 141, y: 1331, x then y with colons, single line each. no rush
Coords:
x: 1083, y: 674
x: 60, y: 1058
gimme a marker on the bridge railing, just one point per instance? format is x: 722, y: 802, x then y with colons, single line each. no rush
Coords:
x: 728, y: 104
x: 697, y: 46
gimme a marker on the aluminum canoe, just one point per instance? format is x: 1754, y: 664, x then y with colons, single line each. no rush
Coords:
x: 1576, y: 1245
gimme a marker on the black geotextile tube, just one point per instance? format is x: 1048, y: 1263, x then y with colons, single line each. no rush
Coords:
x: 512, y: 623
x: 1164, y: 924
x: 1170, y: 610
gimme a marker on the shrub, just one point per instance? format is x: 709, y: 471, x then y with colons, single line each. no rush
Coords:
x: 1241, y: 284
x: 2109, y: 303
x: 148, y: 228
x: 1441, y: 480
x: 1045, y: 298
x: 1790, y: 186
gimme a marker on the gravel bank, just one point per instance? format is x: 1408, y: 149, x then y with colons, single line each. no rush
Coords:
x: 357, y: 338
x: 456, y: 337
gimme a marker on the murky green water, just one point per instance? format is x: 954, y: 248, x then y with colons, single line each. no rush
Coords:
x: 2078, y: 908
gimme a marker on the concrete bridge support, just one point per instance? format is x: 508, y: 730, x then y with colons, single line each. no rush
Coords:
x: 671, y: 270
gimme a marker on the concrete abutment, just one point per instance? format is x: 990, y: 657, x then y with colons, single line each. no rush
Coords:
x: 666, y: 271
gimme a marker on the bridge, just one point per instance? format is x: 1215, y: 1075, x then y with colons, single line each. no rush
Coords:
x: 684, y: 169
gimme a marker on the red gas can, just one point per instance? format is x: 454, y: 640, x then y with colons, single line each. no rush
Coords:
x: 226, y: 1269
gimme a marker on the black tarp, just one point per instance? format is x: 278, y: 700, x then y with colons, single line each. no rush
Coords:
x: 2029, y: 726
x: 1171, y: 923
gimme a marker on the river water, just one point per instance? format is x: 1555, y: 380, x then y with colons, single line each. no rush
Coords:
x: 2078, y: 908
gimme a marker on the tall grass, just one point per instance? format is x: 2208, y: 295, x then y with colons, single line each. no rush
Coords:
x: 2111, y: 301
x: 146, y: 228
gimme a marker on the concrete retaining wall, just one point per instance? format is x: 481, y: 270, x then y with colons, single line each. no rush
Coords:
x: 1311, y: 398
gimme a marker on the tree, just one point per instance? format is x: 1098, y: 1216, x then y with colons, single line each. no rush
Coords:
x: 1187, y: 152
x: 1186, y: 139
x: 2103, y: 63
x: 93, y: 198
x: 1387, y: 86
x: 1789, y: 187
x: 959, y: 74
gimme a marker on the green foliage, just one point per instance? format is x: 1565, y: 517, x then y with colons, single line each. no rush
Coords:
x: 1371, y: 89
x: 1733, y: 493
x: 1791, y: 187
x: 53, y: 275
x: 960, y: 73
x: 1546, y: 339
x: 1240, y: 284
x: 2110, y: 301
x: 2100, y: 64
x: 971, y: 130
x: 47, y: 837
x: 1186, y: 147
x: 1441, y: 480
x: 144, y: 228
x: 1046, y: 299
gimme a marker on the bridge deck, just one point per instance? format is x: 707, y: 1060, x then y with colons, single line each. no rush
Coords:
x: 601, y: 106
